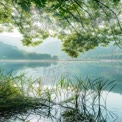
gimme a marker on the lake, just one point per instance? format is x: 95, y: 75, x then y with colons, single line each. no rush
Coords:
x: 51, y: 71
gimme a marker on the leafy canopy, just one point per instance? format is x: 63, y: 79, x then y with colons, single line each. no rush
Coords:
x: 81, y: 25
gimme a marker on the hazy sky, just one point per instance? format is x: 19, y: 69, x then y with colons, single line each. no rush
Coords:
x: 15, y: 40
x: 46, y: 47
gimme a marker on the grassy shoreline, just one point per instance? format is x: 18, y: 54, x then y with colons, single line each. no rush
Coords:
x: 67, y: 101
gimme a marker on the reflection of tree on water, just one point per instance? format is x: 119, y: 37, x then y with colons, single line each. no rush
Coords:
x: 50, y: 72
x: 22, y: 65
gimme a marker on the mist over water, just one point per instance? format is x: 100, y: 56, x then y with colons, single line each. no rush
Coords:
x: 50, y: 73
x: 101, y: 62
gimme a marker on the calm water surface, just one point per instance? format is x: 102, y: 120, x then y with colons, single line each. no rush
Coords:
x: 50, y: 72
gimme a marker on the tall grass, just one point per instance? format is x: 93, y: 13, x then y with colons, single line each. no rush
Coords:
x: 17, y: 97
x: 68, y: 101
x: 86, y: 100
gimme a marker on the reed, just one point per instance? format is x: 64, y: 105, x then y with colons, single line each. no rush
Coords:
x: 70, y: 100
x: 17, y: 98
x: 87, y: 102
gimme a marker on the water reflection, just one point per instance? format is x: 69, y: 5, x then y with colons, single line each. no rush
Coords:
x: 17, y: 66
x: 50, y: 72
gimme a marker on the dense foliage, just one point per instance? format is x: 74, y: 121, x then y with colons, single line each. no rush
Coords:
x: 80, y: 24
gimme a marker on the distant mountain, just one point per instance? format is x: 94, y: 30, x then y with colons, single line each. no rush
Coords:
x: 109, y: 52
x: 54, y: 48
x: 12, y: 52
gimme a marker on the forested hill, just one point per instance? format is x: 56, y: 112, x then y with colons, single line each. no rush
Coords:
x: 8, y: 52
x: 109, y: 52
x: 52, y: 51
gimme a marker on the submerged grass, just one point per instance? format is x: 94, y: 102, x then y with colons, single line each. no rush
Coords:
x: 67, y: 101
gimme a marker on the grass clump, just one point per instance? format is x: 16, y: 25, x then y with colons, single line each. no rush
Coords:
x: 13, y: 98
x: 69, y: 101
x: 86, y: 102
x: 75, y: 115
